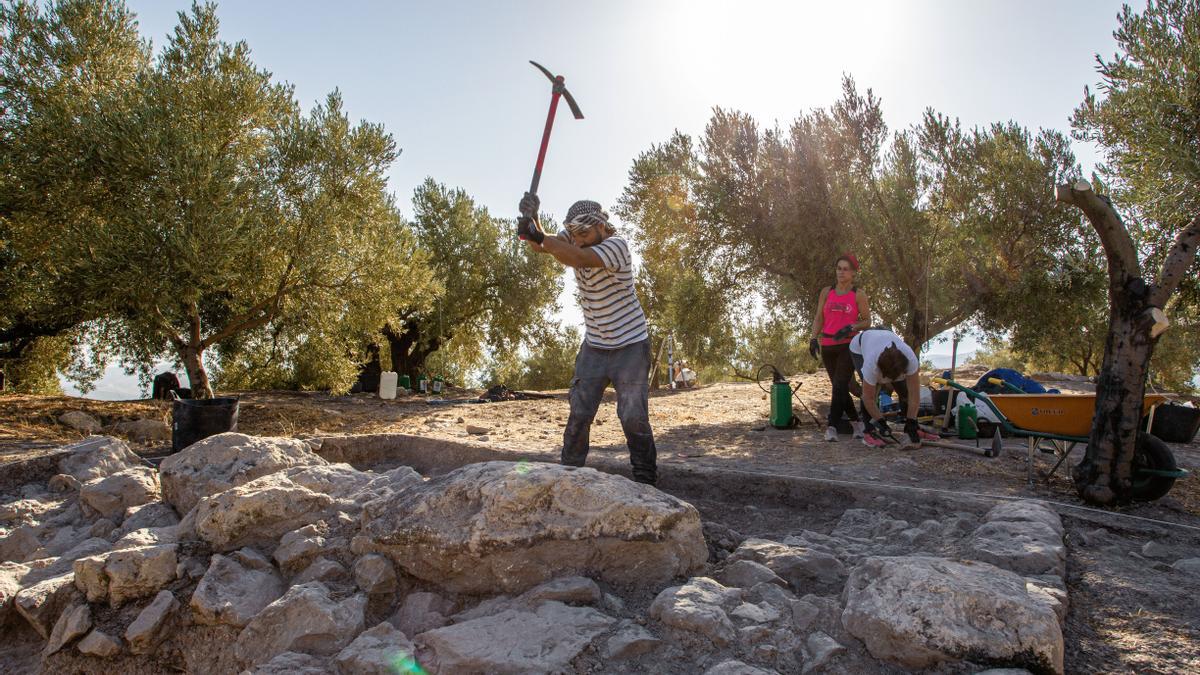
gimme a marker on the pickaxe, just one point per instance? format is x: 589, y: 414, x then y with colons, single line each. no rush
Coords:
x: 558, y: 90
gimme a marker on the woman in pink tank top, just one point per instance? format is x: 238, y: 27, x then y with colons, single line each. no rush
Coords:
x: 842, y: 311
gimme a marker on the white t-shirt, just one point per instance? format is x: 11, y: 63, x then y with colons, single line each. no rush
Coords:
x: 870, y: 344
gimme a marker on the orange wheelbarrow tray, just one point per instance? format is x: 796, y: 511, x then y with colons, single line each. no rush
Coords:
x: 1066, y: 420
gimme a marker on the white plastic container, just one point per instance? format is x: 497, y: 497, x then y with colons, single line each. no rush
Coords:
x: 387, y: 385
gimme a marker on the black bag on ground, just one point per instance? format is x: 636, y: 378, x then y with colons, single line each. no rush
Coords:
x: 197, y: 419
x: 1175, y: 423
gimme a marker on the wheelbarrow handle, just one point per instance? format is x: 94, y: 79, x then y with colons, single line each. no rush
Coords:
x: 1006, y: 384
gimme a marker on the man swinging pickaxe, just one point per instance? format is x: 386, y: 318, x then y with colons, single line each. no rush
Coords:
x: 559, y: 89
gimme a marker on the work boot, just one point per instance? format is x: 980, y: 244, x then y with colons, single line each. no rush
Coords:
x: 858, y: 427
x: 831, y: 433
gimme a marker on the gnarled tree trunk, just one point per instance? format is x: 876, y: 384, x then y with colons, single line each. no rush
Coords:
x: 1104, y: 475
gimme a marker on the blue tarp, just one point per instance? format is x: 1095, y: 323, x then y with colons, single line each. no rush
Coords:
x: 1012, y: 377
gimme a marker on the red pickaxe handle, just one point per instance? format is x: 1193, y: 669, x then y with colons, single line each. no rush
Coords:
x: 537, y: 169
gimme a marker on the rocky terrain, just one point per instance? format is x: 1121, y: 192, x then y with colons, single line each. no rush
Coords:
x: 457, y: 549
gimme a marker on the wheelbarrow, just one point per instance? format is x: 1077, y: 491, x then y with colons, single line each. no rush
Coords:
x: 1065, y: 420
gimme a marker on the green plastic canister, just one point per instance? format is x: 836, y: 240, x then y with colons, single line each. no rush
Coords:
x: 781, y: 405
x: 968, y: 421
x: 405, y: 382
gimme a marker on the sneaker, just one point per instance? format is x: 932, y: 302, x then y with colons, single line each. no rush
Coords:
x: 873, y: 441
x: 858, y: 427
x: 831, y: 433
x: 926, y: 436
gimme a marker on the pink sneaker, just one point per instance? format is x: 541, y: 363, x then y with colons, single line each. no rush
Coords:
x: 926, y: 436
x: 872, y: 441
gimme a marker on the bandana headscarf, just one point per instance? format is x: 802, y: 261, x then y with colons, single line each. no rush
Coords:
x: 584, y: 214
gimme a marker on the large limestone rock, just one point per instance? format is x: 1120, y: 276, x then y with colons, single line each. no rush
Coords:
x: 259, y: 512
x: 806, y: 569
x: 112, y: 495
x: 143, y: 430
x: 1026, y: 547
x: 80, y: 421
x: 73, y: 623
x: 99, y: 643
x: 220, y: 462
x: 918, y: 612
x: 147, y: 630
x: 42, y: 603
x: 230, y: 593
x: 126, y: 574
x: 508, y: 526
x: 383, y: 650
x: 12, y: 576
x: 1026, y: 510
x: 97, y: 457
x: 700, y: 606
x: 304, y: 620
x: 544, y: 640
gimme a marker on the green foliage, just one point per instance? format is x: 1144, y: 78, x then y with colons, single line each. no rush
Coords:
x: 63, y: 65
x: 946, y: 221
x: 493, y: 290
x: 549, y: 363
x: 774, y: 341
x: 684, y: 293
x: 1146, y: 126
x: 230, y: 212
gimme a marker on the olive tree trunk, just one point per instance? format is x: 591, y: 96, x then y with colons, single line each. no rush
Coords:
x: 1104, y: 475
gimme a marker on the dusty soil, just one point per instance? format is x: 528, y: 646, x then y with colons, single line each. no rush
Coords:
x: 1129, y: 612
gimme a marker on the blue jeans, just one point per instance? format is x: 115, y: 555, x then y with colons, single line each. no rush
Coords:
x: 627, y: 368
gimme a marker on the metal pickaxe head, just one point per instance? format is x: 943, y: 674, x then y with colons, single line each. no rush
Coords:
x: 561, y: 89
x: 558, y: 90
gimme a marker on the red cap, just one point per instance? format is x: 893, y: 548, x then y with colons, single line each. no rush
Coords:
x: 851, y: 259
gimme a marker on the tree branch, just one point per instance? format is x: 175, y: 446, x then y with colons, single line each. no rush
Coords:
x: 1118, y: 245
x: 1179, y: 258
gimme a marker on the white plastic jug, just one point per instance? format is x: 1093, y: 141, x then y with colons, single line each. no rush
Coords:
x: 387, y: 385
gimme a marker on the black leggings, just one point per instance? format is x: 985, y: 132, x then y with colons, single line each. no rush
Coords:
x: 841, y: 375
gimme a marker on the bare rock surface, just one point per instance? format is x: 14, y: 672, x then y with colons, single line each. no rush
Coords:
x: 1026, y: 510
x: 230, y: 593
x: 99, y: 643
x: 919, y: 612
x: 111, y: 495
x: 146, y: 631
x: 700, y: 606
x: 306, y: 619
x: 735, y: 667
x: 375, y: 574
x: 747, y: 573
x: 151, y: 515
x: 422, y: 611
x: 259, y: 512
x: 805, y: 569
x: 97, y: 457
x: 80, y: 421
x: 223, y: 461
x: 73, y: 623
x: 1025, y: 547
x: 544, y: 640
x: 630, y: 641
x: 382, y: 650
x: 42, y: 603
x: 127, y: 574
x: 143, y: 430
x: 510, y: 526
x: 293, y: 663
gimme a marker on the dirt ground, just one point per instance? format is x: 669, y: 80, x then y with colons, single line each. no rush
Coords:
x: 1130, y: 612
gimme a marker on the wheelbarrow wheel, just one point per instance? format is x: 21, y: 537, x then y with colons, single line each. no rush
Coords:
x: 1151, y: 453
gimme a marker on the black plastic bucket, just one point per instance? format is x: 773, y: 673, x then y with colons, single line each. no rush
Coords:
x: 1176, y: 423
x: 197, y: 419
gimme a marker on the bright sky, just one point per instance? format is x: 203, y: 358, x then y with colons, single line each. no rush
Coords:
x: 451, y: 80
